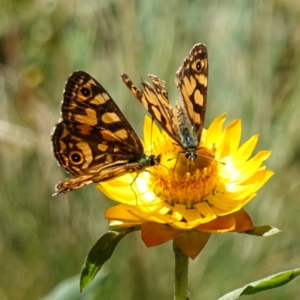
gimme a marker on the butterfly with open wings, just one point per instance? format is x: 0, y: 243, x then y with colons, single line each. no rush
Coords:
x: 94, y: 141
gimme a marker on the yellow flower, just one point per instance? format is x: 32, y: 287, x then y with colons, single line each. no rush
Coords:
x: 186, y: 201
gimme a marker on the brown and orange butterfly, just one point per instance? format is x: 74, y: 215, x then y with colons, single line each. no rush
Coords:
x: 94, y: 141
x: 184, y: 122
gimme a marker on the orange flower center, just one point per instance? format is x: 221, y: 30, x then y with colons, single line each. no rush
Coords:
x: 186, y: 182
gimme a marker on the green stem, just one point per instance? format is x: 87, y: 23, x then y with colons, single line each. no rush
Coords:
x: 181, y: 274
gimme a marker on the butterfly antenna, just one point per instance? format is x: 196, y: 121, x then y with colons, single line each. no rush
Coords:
x: 209, y: 156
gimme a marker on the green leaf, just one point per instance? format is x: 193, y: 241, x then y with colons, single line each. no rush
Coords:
x: 267, y: 283
x: 100, y: 253
x: 264, y: 230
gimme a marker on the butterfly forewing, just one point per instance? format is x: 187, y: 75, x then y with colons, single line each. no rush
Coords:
x: 94, y: 141
x: 86, y: 102
x: 191, y: 79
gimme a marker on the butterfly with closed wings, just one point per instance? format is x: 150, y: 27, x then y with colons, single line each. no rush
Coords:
x: 184, y: 122
x: 94, y: 141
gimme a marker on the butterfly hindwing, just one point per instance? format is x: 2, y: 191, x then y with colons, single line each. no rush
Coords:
x: 155, y: 100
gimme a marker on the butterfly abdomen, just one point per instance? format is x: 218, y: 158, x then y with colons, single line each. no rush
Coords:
x: 146, y: 160
x: 187, y: 135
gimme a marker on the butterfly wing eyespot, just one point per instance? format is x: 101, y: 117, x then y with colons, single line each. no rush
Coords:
x: 198, y: 66
x: 85, y: 92
x: 76, y: 157
x: 94, y: 141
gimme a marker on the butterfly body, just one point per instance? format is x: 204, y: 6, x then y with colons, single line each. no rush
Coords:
x: 186, y: 135
x: 184, y: 122
x: 94, y: 141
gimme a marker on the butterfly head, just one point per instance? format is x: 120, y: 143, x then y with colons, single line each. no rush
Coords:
x: 191, y: 154
x: 154, y: 160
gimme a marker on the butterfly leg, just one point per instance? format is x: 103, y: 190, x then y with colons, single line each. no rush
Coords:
x: 132, y: 188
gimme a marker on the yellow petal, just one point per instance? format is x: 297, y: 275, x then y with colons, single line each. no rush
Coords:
x: 122, y: 194
x: 205, y: 210
x: 232, y: 136
x: 120, y: 212
x: 151, y: 215
x: 215, y: 130
x: 151, y: 133
x: 192, y: 215
x: 259, y: 179
x: 117, y: 223
x: 245, y: 151
x: 178, y: 211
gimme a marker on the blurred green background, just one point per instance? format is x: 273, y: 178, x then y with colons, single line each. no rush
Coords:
x: 254, y: 74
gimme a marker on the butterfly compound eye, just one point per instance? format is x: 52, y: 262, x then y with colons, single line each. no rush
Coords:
x: 85, y: 92
x: 76, y: 157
